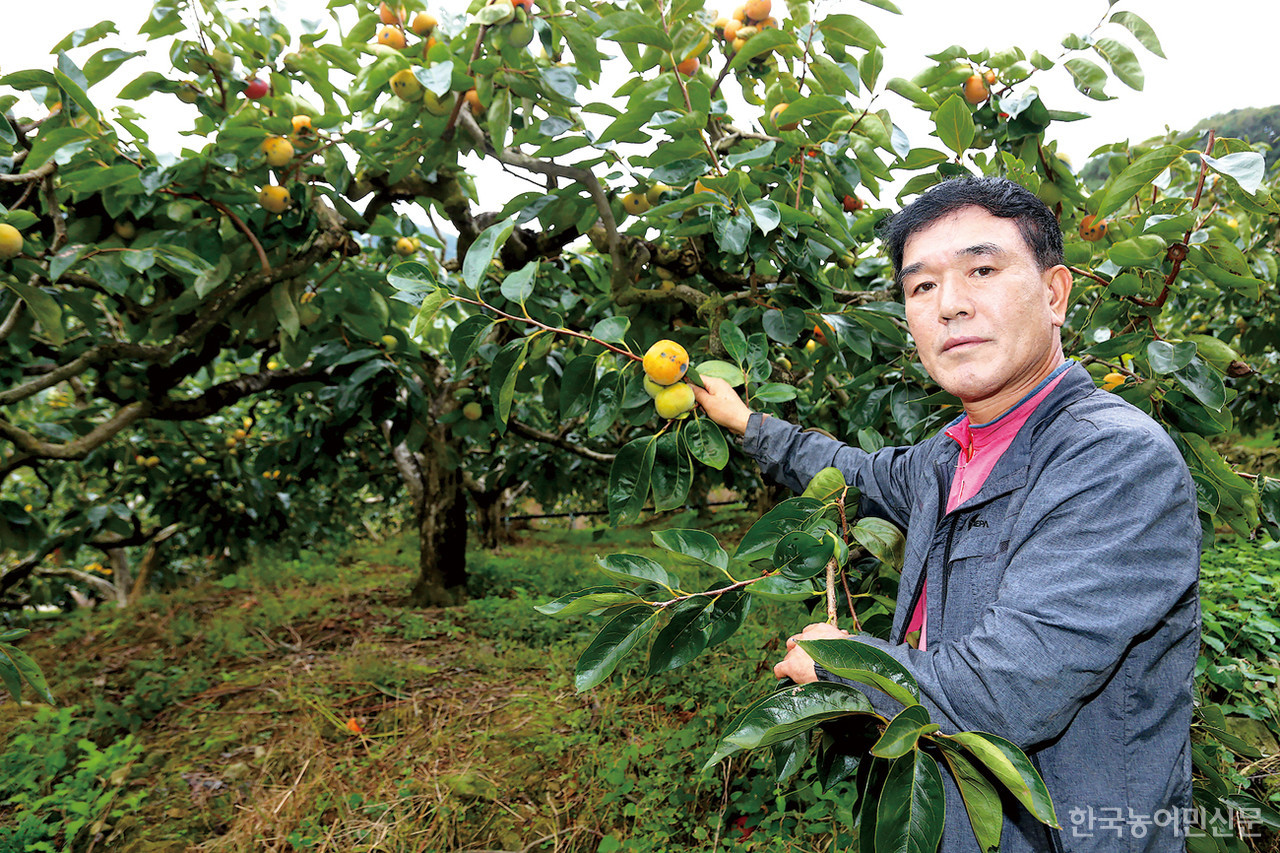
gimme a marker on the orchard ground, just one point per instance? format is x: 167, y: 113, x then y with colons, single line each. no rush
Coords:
x: 300, y: 705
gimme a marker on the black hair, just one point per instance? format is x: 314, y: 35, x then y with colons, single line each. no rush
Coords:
x: 998, y: 196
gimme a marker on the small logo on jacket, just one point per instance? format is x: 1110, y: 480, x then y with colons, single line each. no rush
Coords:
x: 977, y: 521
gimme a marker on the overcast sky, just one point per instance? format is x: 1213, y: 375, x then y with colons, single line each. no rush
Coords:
x: 1220, y: 55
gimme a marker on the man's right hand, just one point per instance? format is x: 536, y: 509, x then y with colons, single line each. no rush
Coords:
x: 722, y: 404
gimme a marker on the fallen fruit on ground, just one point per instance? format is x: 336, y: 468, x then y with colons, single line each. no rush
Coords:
x: 674, y: 400
x: 665, y: 362
x: 1092, y: 228
x: 274, y: 198
x: 278, y: 150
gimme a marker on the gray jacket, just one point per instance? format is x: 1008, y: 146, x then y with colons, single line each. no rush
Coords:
x: 1063, y: 606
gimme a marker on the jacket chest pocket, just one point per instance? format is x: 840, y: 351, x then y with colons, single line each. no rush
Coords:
x: 976, y: 562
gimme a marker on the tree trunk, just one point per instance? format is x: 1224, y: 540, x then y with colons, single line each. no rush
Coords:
x: 490, y: 508
x: 440, y: 511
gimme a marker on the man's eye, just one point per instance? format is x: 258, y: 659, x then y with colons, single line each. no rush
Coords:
x: 922, y: 287
x: 982, y: 272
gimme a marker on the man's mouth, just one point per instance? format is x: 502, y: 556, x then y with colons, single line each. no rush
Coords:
x: 961, y: 342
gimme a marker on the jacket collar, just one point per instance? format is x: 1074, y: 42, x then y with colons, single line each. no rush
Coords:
x: 1010, y: 472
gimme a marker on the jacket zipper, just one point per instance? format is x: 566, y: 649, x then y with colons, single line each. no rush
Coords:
x: 1052, y: 836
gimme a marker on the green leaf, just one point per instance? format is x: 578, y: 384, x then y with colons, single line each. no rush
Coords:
x: 904, y: 732
x: 633, y: 567
x: 1203, y: 382
x: 849, y: 30
x: 672, y: 473
x: 1168, y: 358
x: 722, y: 370
x: 44, y: 308
x: 912, y: 806
x: 826, y: 485
x: 1137, y: 176
x: 1088, y: 77
x: 74, y: 91
x: 612, y: 329
x: 1013, y: 769
x: 576, y: 387
x: 759, y: 44
x: 912, y: 93
x: 467, y: 337
x: 1246, y: 168
x: 1141, y: 31
x: 13, y: 634
x: 787, y: 713
x: 765, y: 213
x: 7, y: 134
x: 682, y: 639
x: 606, y: 403
x: 29, y: 670
x: 286, y: 312
x: 1124, y: 64
x: 954, y: 124
x: 726, y: 615
x: 799, y: 556
x: 517, y: 286
x: 981, y: 799
x: 615, y: 640
x: 9, y: 675
x: 503, y: 375
x: 882, y: 539
x: 705, y: 442
x: 695, y: 544
x: 1136, y: 251
x: 425, y: 319
x: 866, y: 665
x: 588, y: 600
x: 735, y: 343
x: 480, y: 254
x: 629, y: 480
x: 763, y: 536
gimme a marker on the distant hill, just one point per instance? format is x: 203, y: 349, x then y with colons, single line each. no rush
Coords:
x: 1256, y: 124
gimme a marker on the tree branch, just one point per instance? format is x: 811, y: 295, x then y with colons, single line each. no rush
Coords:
x: 558, y: 441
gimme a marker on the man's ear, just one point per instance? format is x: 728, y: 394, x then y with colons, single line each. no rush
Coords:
x: 1058, y: 282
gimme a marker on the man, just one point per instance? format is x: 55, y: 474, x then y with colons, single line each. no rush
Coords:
x: 1049, y: 593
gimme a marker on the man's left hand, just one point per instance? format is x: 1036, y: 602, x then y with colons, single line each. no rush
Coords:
x: 797, y: 665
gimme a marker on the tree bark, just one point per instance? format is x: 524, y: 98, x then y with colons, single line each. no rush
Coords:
x: 490, y: 507
x: 442, y: 533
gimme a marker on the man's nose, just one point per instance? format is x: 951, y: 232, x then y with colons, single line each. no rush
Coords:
x: 954, y: 299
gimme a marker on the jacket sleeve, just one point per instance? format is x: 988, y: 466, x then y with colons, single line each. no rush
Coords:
x: 790, y: 456
x: 1107, y: 545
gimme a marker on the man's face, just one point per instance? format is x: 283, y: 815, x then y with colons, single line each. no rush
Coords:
x: 984, y: 317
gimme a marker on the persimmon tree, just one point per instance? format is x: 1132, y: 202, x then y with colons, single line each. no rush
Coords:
x: 712, y: 182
